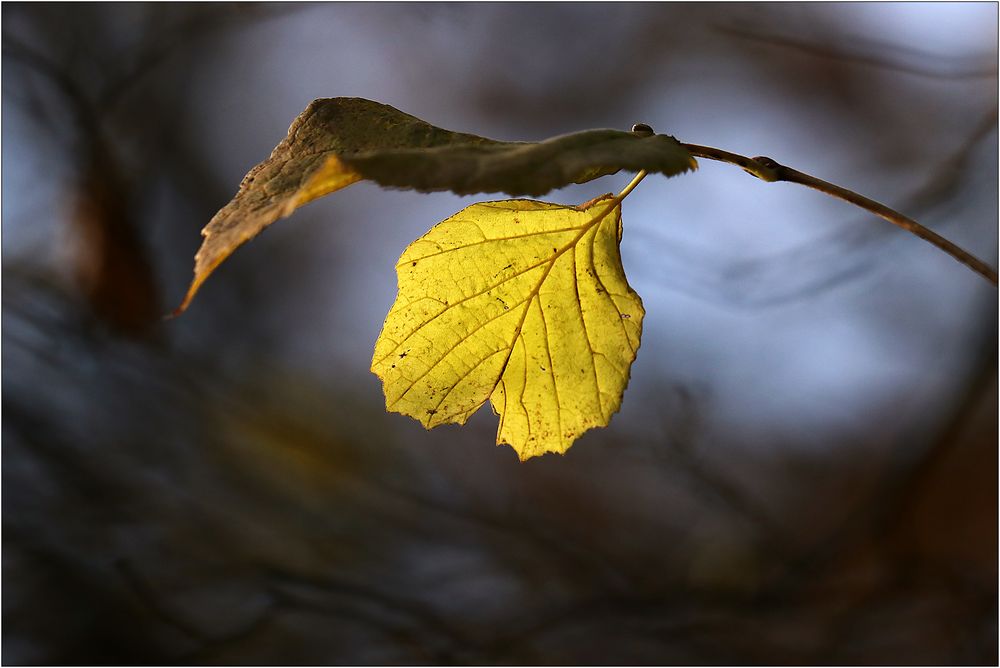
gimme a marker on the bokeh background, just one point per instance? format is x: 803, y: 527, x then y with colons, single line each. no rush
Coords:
x: 804, y: 469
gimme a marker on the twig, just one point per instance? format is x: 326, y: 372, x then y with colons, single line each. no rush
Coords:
x: 884, y: 55
x: 770, y: 170
x: 81, y: 106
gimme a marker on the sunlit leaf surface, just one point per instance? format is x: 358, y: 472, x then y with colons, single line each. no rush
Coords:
x: 520, y: 302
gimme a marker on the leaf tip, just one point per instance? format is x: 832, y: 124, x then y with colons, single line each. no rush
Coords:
x: 192, y: 291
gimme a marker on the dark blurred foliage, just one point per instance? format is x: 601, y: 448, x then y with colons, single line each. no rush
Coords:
x: 203, y: 491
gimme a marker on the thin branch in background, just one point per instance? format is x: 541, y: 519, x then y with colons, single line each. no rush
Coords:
x: 768, y: 169
x: 80, y: 104
x: 166, y: 42
x: 882, y: 55
x: 418, y: 617
x: 207, y: 642
x: 411, y: 639
x: 138, y: 585
x: 874, y: 518
x: 950, y: 174
x: 941, y: 184
x: 792, y: 271
x: 915, y: 471
x: 597, y: 567
x: 676, y: 452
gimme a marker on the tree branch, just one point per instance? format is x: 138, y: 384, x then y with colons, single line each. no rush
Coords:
x: 770, y: 170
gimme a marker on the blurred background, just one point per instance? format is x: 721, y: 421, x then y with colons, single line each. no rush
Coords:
x: 804, y: 469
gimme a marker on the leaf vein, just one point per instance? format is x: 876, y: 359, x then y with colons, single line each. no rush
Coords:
x: 607, y: 293
x: 451, y: 348
x: 459, y: 302
x: 552, y: 371
x: 513, y: 237
x: 586, y: 333
x: 466, y: 375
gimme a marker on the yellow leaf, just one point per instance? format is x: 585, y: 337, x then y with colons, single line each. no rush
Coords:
x: 521, y: 302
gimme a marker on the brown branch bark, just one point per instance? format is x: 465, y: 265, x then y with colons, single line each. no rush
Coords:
x: 770, y: 170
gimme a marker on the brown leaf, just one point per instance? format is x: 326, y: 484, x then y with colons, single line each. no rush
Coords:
x: 305, y: 166
x: 522, y: 168
x: 338, y: 141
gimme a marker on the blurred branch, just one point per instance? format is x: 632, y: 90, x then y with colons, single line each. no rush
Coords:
x: 168, y: 41
x: 585, y: 561
x: 768, y: 169
x: 941, y: 184
x: 138, y: 585
x: 682, y: 425
x: 798, y: 272
x: 207, y: 641
x: 876, y: 517
x: 80, y: 104
x: 915, y: 474
x: 419, y: 621
x: 872, y: 53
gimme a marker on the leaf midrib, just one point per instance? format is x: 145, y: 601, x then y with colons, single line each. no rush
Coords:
x: 584, y: 228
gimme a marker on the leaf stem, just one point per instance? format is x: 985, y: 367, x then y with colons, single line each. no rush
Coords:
x: 631, y: 185
x: 770, y: 170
